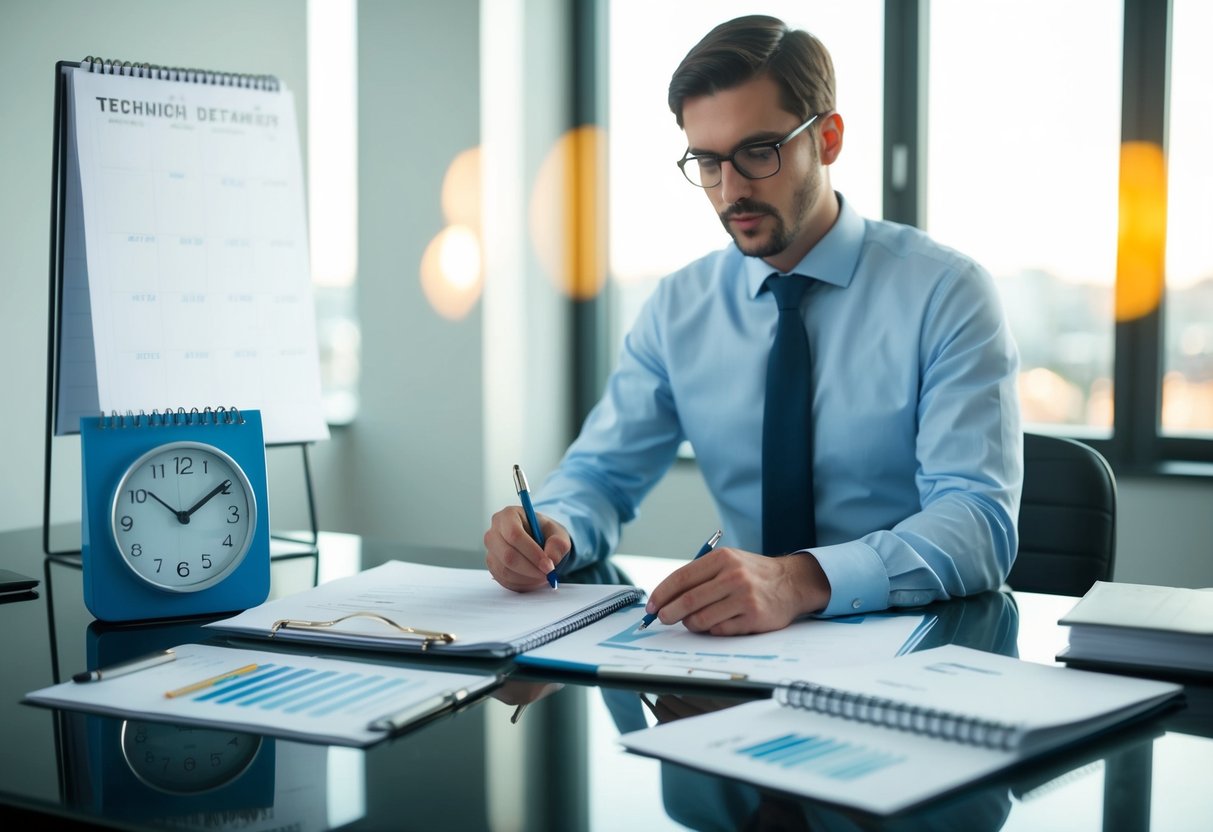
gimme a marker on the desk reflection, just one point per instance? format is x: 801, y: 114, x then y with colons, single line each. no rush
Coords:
x: 188, y: 777
x: 184, y: 777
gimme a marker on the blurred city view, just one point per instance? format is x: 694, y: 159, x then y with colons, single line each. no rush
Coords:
x: 1187, y: 383
x: 1066, y: 349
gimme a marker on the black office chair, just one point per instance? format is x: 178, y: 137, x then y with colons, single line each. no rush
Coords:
x: 1067, y: 519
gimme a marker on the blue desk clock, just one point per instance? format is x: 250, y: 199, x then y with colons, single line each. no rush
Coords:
x: 175, y: 514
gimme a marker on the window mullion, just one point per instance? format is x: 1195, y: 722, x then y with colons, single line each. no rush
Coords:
x: 904, y: 111
x: 1138, y: 351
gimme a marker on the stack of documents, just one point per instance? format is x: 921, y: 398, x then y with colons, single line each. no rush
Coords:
x: 433, y: 609
x: 297, y: 697
x: 1136, y: 626
x: 888, y: 735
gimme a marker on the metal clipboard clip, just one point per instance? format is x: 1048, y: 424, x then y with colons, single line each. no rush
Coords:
x: 426, y: 637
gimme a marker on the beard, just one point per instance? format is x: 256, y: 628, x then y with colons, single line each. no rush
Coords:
x: 784, y: 232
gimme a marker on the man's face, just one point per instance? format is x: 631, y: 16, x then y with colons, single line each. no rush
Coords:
x: 765, y: 217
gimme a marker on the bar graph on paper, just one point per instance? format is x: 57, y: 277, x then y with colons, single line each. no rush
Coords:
x: 307, y: 692
x: 285, y: 695
x: 830, y: 640
x: 820, y: 755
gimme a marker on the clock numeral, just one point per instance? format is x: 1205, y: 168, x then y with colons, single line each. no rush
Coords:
x: 157, y: 470
x: 185, y: 464
x: 227, y: 541
x: 136, y: 550
x: 159, y: 563
x: 234, y: 516
x: 183, y: 569
x: 206, y: 561
x: 138, y: 495
x: 127, y: 523
x: 189, y: 764
x: 206, y: 466
x: 216, y: 759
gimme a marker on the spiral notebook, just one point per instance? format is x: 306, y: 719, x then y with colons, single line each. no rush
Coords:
x: 412, y: 607
x: 887, y: 735
x: 179, y: 247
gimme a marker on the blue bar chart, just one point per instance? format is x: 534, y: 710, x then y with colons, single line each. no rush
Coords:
x: 314, y: 698
x: 823, y: 756
x: 306, y: 692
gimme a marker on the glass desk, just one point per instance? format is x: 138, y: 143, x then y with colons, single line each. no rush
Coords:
x: 553, y: 764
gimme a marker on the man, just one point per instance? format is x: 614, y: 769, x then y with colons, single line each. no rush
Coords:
x: 914, y: 458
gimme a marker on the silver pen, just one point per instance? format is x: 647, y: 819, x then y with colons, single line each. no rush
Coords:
x: 123, y: 668
x: 703, y: 550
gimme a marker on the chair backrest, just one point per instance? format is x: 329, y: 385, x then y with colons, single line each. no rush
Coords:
x: 1067, y: 518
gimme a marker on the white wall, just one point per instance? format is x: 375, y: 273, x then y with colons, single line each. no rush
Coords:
x: 411, y: 464
x: 268, y: 36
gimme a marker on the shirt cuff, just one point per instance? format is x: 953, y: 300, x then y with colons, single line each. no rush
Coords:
x: 859, y: 582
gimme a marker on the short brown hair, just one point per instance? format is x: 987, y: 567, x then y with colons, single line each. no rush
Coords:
x: 746, y: 47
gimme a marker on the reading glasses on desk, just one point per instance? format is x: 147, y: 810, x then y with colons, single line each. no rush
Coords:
x: 426, y: 637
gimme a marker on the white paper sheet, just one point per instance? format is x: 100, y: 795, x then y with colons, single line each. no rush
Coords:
x: 614, y: 647
x: 186, y: 255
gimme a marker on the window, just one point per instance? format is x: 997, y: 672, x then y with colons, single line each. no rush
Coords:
x: 332, y: 177
x: 1187, y: 383
x: 1023, y: 148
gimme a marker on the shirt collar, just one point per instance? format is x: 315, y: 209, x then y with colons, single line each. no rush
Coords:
x: 832, y: 260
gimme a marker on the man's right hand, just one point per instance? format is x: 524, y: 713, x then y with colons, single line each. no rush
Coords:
x: 512, y: 555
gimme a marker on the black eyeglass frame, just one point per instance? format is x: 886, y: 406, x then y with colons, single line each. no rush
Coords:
x: 731, y: 158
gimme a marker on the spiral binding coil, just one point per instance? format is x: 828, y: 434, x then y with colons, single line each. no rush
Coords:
x: 106, y: 66
x: 903, y: 716
x: 170, y: 417
x: 567, y: 626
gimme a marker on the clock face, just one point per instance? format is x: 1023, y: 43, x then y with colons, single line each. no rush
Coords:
x: 183, y: 516
x: 180, y: 759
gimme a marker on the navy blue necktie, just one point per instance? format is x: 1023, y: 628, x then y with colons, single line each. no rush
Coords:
x: 788, y: 519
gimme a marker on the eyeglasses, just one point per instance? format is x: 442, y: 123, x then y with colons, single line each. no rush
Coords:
x: 759, y: 160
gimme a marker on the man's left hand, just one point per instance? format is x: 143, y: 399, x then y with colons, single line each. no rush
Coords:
x: 730, y: 592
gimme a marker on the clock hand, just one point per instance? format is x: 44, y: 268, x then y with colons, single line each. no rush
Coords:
x: 222, y: 487
x: 181, y: 516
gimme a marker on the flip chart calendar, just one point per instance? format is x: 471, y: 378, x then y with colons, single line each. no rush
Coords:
x: 185, y: 257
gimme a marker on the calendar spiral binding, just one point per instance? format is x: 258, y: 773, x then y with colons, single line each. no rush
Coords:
x: 170, y: 417
x: 106, y: 66
x: 902, y: 716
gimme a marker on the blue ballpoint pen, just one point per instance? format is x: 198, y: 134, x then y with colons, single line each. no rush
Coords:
x: 524, y: 494
x: 649, y: 618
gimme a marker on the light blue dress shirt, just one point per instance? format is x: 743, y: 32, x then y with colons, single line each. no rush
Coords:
x: 917, y: 440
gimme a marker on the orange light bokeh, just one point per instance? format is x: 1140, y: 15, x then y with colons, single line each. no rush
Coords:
x: 461, y: 190
x: 452, y: 270
x: 451, y: 273
x: 1141, y: 252
x: 568, y: 212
